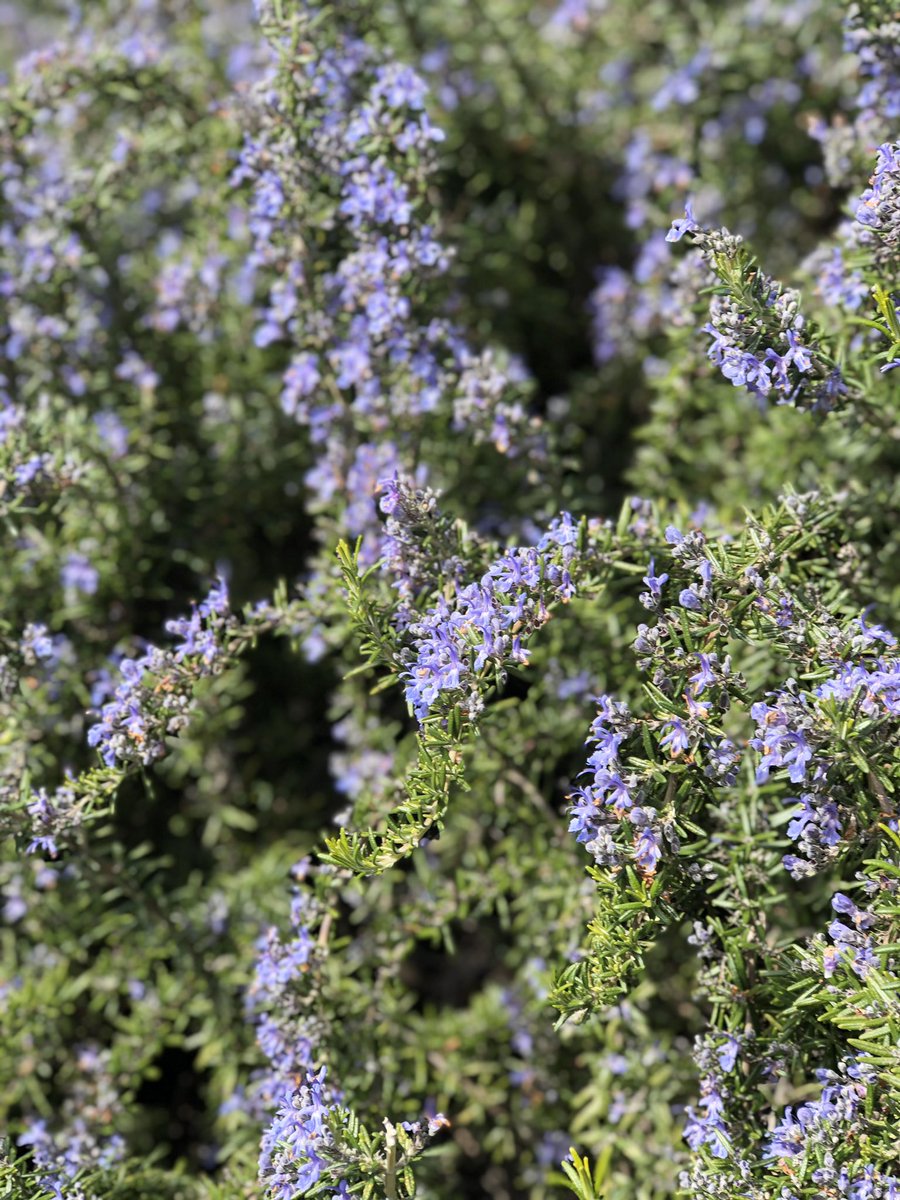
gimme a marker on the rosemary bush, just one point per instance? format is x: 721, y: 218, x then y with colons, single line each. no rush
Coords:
x: 451, y: 715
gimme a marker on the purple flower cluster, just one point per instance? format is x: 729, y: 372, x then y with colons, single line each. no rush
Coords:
x: 762, y: 343
x: 55, y: 291
x: 37, y: 644
x: 358, y: 768
x: 735, y: 350
x: 602, y: 807
x: 291, y: 1158
x: 362, y: 317
x: 51, y: 818
x: 62, y: 1154
x: 874, y: 687
x: 878, y: 209
x: 154, y: 695
x: 781, y: 740
x: 79, y: 574
x: 487, y: 624
x: 647, y: 172
x: 877, y: 102
x: 852, y: 943
x: 839, y: 285
x: 708, y: 1128
x: 791, y: 726
x: 304, y: 1110
x: 288, y: 1030
x: 875, y: 47
x: 787, y: 733
x: 419, y: 547
x: 189, y: 286
x: 816, y: 828
x: 608, y: 796
x: 819, y: 1125
x: 359, y: 332
x: 656, y: 296
x: 82, y: 1140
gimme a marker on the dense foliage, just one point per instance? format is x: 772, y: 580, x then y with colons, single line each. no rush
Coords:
x: 451, y: 718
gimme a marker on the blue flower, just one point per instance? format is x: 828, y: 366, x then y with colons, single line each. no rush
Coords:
x: 727, y: 1053
x: 647, y: 851
x: 78, y: 574
x: 655, y: 585
x: 706, y: 676
x: 682, y: 225
x: 677, y: 739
